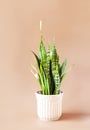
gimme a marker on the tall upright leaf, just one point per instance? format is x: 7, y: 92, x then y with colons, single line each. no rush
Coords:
x: 42, y: 51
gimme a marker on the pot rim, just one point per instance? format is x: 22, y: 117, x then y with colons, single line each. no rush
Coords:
x: 39, y: 93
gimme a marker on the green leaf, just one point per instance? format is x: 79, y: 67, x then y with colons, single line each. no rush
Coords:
x: 42, y: 79
x: 55, y: 70
x: 62, y: 77
x: 56, y: 80
x: 65, y: 74
x: 42, y: 52
x: 37, y: 59
x: 62, y: 68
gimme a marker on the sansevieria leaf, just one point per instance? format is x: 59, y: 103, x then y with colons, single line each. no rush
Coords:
x: 62, y: 68
x: 37, y: 59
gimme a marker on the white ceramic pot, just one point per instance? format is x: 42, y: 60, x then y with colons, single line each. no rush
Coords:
x: 49, y: 107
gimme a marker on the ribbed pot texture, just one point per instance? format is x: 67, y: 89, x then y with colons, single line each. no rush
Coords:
x: 49, y: 107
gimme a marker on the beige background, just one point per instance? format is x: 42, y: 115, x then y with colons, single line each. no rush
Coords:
x: 66, y: 21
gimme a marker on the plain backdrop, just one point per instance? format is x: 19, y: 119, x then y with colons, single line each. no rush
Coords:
x: 65, y: 21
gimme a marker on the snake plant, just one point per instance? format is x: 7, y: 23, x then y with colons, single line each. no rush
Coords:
x: 50, y: 73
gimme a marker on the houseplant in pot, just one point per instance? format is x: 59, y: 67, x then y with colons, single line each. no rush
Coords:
x: 50, y: 74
